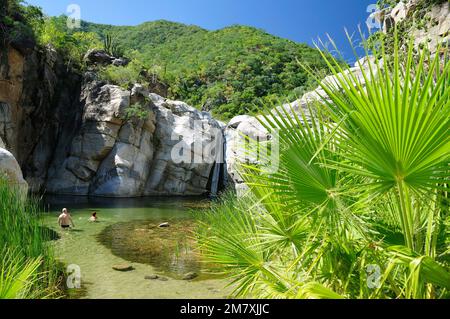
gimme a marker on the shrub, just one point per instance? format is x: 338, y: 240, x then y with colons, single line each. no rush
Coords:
x: 137, y: 111
x: 124, y: 76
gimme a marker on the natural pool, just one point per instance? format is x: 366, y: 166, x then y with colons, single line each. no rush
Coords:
x: 128, y: 234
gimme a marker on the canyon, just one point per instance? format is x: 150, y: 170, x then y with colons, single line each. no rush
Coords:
x: 67, y: 132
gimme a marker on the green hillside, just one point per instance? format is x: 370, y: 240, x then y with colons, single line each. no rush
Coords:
x: 231, y: 71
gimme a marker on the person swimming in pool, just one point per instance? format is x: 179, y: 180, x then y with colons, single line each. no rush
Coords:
x: 65, y: 220
x: 93, y: 218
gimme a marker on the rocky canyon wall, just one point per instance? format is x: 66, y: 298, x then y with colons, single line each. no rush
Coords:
x: 74, y: 134
x: 119, y: 157
x: 39, y: 109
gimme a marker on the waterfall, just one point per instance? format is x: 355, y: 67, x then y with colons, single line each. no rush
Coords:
x: 219, y: 165
x: 224, y: 157
x: 215, y: 179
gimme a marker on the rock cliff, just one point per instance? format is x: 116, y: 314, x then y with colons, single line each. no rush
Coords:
x: 39, y: 109
x: 113, y: 155
x: 73, y: 134
x: 426, y: 21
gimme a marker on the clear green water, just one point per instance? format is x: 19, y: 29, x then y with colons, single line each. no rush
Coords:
x: 127, y: 233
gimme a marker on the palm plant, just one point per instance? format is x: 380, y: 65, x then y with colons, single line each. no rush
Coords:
x: 364, y: 185
x: 396, y: 136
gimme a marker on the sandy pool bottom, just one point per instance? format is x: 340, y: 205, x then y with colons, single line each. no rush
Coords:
x: 94, y: 248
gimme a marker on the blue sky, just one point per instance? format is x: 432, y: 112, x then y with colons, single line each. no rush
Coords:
x: 298, y: 20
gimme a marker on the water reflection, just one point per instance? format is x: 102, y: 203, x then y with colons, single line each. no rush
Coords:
x: 53, y: 202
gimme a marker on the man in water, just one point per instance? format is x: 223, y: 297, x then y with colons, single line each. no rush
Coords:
x: 64, y: 220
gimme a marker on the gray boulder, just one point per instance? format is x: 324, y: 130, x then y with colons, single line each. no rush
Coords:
x: 101, y: 57
x: 10, y: 169
x: 95, y: 56
x: 120, y: 62
x: 116, y: 156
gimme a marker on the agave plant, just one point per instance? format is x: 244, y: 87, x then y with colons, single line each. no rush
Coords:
x: 360, y: 194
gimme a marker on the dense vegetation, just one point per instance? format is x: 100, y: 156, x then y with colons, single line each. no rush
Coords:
x: 359, y: 205
x: 16, y: 22
x: 26, y: 27
x: 232, y: 71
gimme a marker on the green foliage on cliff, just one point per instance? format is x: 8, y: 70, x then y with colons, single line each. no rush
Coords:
x: 418, y: 19
x: 230, y: 71
x: 25, y: 26
x: 136, y: 111
x: 72, y: 45
x: 17, y: 21
x: 111, y: 46
x: 124, y: 76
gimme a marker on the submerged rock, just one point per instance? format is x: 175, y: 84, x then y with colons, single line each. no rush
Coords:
x: 171, y: 253
x: 123, y: 268
x: 152, y: 277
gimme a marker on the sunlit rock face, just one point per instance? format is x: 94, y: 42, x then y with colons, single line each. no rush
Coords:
x: 199, y: 132
x: 437, y: 32
x: 118, y: 156
x: 10, y: 170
